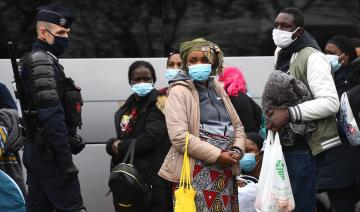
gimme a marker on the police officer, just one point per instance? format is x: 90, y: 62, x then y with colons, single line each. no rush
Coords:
x: 53, y: 113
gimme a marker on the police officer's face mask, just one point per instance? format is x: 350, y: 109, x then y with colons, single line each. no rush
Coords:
x: 60, y: 44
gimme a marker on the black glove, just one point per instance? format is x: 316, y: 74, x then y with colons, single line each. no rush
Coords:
x: 77, y: 144
x: 71, y: 172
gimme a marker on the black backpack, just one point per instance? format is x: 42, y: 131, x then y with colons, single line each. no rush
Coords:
x: 129, y: 190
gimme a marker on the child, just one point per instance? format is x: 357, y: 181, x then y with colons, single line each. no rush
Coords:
x: 250, y: 166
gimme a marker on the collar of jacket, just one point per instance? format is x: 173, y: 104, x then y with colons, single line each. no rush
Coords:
x: 201, y: 87
x: 284, y: 55
x: 191, y: 85
x: 40, y: 45
x: 149, y: 99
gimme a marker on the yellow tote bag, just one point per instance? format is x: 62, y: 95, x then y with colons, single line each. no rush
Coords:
x: 185, y: 194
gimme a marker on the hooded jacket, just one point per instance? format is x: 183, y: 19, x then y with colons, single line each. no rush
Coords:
x: 307, y: 64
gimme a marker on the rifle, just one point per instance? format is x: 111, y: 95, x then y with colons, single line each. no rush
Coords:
x: 18, y: 88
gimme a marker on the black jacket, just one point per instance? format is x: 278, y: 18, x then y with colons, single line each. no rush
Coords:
x: 152, y: 145
x: 50, y: 115
x: 338, y: 166
x: 248, y: 111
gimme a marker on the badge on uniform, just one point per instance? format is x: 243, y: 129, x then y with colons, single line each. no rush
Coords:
x: 62, y: 21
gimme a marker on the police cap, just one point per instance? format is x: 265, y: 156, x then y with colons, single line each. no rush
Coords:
x: 56, y: 14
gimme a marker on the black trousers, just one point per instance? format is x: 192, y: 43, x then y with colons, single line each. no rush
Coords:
x: 344, y: 199
x: 53, y: 193
x: 48, y: 189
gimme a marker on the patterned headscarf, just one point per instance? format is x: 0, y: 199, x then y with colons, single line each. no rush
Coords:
x: 211, y: 50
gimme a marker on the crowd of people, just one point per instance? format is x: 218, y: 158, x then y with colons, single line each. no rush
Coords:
x: 208, y: 101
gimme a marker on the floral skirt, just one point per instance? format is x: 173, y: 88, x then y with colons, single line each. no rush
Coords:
x: 215, y: 186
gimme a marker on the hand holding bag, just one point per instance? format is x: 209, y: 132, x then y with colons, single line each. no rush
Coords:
x: 274, y: 189
x: 128, y: 187
x: 185, y: 194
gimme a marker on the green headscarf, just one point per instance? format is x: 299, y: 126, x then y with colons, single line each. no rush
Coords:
x: 211, y: 51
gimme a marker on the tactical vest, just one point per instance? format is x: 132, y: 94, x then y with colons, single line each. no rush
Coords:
x: 69, y: 95
x: 70, y: 98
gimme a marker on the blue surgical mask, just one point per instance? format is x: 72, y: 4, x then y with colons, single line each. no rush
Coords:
x: 334, y: 61
x: 248, y: 162
x: 199, y: 72
x: 142, y: 89
x: 171, y: 73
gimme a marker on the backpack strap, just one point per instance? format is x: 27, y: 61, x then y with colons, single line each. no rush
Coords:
x: 130, y: 153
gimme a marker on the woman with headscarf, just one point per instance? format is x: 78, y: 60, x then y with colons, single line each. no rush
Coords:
x: 198, y: 105
x: 339, y: 173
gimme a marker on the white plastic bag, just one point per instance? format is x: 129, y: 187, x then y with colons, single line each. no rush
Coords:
x: 246, y: 196
x: 274, y: 189
x: 261, y: 195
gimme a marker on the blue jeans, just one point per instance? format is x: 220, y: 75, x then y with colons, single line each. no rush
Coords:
x: 302, y: 171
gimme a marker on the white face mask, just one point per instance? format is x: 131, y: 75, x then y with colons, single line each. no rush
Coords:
x: 282, y: 38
